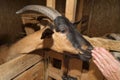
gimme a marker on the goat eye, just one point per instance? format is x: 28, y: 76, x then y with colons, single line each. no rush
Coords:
x: 63, y: 30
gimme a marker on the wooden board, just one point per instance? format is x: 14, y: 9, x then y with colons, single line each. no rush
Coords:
x: 105, y: 43
x: 79, y: 12
x: 13, y: 68
x: 70, y: 9
x: 55, y: 73
x: 56, y: 55
x: 52, y: 72
x: 75, y: 68
x: 34, y: 73
x: 51, y: 3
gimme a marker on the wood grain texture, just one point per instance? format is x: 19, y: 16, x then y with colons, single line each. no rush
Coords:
x: 75, y: 68
x: 18, y: 65
x: 79, y: 12
x: 34, y: 73
x: 105, y: 17
x: 55, y: 73
x: 105, y: 43
x: 70, y: 9
x: 51, y: 3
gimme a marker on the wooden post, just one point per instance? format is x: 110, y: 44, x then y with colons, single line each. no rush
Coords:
x: 79, y: 12
x: 81, y: 9
x: 75, y: 68
x: 70, y: 9
x: 51, y: 3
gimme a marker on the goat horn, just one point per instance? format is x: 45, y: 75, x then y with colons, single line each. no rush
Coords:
x: 47, y: 11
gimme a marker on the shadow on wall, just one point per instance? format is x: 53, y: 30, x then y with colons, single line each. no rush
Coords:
x: 4, y: 38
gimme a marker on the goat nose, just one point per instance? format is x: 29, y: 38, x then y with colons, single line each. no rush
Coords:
x: 90, y: 48
x: 84, y: 57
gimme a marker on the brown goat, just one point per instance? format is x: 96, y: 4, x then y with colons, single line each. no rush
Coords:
x: 64, y: 31
x: 57, y: 42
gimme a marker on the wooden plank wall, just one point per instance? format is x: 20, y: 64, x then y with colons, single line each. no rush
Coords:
x: 104, y: 17
x: 56, y: 73
x: 74, y: 70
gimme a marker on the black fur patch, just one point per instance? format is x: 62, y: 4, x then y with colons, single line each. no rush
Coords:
x: 73, y: 35
x: 47, y: 34
x: 32, y: 25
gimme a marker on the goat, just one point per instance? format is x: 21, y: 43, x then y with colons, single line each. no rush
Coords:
x: 65, y: 36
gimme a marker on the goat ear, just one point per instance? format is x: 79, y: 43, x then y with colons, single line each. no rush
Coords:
x: 76, y: 23
x: 47, y: 33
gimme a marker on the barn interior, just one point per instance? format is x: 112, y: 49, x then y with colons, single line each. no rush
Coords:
x: 98, y: 18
